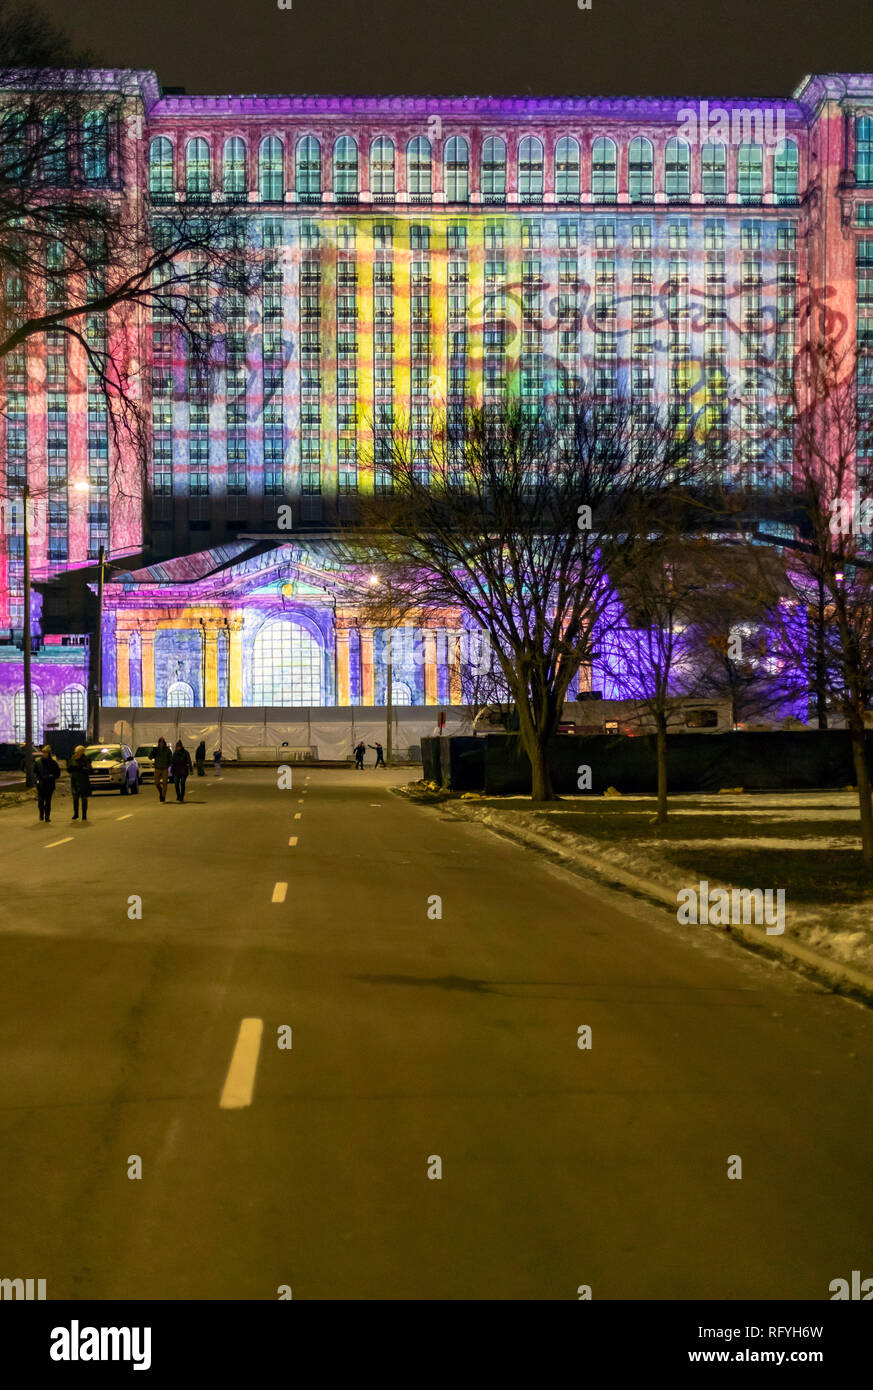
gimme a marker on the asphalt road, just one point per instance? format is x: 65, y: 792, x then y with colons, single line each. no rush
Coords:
x: 413, y: 1036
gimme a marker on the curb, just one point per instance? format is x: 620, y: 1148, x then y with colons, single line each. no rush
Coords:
x: 842, y: 979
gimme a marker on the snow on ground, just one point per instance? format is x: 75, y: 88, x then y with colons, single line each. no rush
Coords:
x: 838, y: 929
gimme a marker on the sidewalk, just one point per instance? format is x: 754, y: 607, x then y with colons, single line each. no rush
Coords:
x: 827, y: 939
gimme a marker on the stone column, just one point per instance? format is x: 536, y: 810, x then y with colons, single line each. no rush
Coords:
x: 343, y: 667
x: 367, y: 683
x: 235, y: 662
x: 454, y: 643
x: 431, y: 694
x: 210, y: 693
x: 122, y: 667
x: 147, y: 660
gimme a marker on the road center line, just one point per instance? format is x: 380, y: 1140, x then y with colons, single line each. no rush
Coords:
x: 293, y: 840
x: 239, y: 1084
x: 65, y: 841
x: 279, y: 891
x: 127, y: 817
x: 297, y: 815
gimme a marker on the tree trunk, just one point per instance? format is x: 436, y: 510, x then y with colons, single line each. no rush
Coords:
x: 541, y: 776
x: 661, y: 746
x: 865, y: 804
x: 821, y: 685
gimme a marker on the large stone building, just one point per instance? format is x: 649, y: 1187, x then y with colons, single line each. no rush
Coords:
x: 417, y: 253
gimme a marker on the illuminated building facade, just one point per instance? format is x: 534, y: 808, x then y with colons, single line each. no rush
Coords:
x: 417, y: 253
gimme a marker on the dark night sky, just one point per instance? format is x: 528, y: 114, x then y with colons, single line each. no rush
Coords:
x: 620, y: 47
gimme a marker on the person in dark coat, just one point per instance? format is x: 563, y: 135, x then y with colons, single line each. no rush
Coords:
x: 360, y: 750
x: 162, y: 757
x: 80, y: 781
x: 46, y: 772
x: 200, y: 758
x: 377, y: 748
x: 181, y: 765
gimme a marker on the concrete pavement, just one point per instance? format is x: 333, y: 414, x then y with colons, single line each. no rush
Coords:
x: 414, y: 1037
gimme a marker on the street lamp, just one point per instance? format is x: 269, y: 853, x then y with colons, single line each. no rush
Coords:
x: 96, y: 702
x: 28, y: 683
x: 375, y: 582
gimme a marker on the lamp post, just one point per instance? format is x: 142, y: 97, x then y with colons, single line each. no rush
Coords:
x: 93, y: 717
x: 374, y: 582
x: 28, y: 684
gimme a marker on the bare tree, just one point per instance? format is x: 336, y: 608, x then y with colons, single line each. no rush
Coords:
x: 658, y: 580
x: 81, y: 255
x: 516, y: 521
x: 829, y: 561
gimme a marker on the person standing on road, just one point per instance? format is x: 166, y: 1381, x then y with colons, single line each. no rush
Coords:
x: 181, y: 765
x: 80, y: 781
x: 216, y: 757
x: 360, y: 750
x: 46, y: 772
x: 380, y: 761
x: 200, y: 758
x: 162, y: 758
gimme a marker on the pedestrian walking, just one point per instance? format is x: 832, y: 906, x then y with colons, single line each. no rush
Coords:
x: 162, y: 758
x: 181, y: 765
x: 216, y: 758
x: 80, y: 781
x: 360, y: 750
x: 200, y: 758
x: 46, y: 772
x: 380, y: 761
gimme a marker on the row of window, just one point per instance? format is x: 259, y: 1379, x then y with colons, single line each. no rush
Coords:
x: 57, y: 153
x: 456, y: 167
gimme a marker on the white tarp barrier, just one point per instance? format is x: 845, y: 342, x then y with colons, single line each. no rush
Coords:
x: 331, y: 732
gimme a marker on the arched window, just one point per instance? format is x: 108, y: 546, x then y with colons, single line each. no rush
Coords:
x: 864, y: 150
x: 750, y: 173
x: 286, y: 665
x: 401, y: 693
x: 35, y: 714
x: 714, y: 169
x: 494, y: 170
x: 382, y: 169
x: 161, y: 181
x: 418, y: 171
x: 456, y: 170
x: 641, y: 171
x: 604, y: 179
x: 677, y: 171
x: 72, y: 710
x: 13, y: 146
x: 271, y: 170
x: 567, y: 170
x: 198, y: 170
x: 785, y: 172
x: 235, y: 168
x: 55, y: 151
x: 180, y: 695
x: 95, y: 147
x: 308, y: 174
x: 530, y: 170
x: 345, y: 169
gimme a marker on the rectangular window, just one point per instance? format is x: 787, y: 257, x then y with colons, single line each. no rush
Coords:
x: 493, y: 236
x: 604, y: 236
x: 419, y: 236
